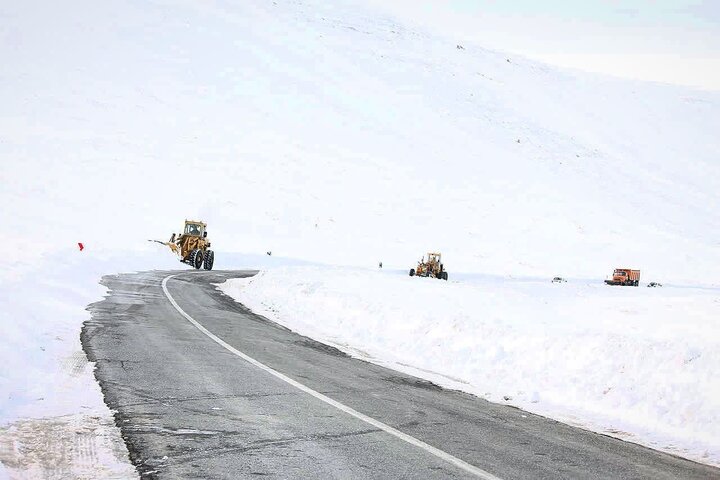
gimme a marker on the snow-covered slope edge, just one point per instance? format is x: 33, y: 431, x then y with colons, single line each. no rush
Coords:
x: 53, y: 420
x: 636, y: 363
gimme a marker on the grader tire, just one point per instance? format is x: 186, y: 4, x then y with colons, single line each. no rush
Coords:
x: 412, y: 272
x: 209, y: 259
x: 196, y: 259
x: 444, y: 275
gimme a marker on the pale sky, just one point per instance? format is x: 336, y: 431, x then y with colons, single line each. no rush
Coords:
x: 670, y: 41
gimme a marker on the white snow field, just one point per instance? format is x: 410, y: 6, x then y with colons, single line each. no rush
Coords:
x: 635, y: 363
x: 333, y: 134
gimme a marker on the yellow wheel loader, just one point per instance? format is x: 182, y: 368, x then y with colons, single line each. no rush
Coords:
x: 192, y: 245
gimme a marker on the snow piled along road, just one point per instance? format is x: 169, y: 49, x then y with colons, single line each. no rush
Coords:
x: 53, y: 421
x: 635, y: 363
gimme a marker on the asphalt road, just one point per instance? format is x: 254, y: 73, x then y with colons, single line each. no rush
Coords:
x: 189, y: 407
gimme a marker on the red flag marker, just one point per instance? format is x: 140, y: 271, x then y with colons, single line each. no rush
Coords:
x: 81, y: 246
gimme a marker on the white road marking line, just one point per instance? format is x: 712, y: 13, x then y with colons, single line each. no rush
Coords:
x: 480, y: 473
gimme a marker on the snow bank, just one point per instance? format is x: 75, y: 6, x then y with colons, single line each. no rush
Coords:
x: 53, y: 420
x: 45, y: 372
x: 636, y: 363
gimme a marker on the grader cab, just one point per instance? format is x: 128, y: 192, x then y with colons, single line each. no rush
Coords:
x: 433, y: 267
x: 192, y: 245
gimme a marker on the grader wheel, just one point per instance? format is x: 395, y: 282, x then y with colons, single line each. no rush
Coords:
x: 196, y: 258
x: 209, y: 259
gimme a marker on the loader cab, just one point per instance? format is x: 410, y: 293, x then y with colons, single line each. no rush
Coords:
x: 194, y: 229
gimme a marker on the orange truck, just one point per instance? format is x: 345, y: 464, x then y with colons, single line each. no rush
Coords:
x: 625, y: 276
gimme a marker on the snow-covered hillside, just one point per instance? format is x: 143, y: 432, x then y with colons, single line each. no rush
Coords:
x: 327, y: 132
x: 335, y: 134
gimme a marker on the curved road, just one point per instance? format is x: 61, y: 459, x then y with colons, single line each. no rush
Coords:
x: 191, y: 405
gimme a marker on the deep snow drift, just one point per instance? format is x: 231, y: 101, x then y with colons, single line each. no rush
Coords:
x: 635, y: 363
x: 328, y: 133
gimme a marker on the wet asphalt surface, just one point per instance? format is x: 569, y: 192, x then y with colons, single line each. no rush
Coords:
x: 188, y: 408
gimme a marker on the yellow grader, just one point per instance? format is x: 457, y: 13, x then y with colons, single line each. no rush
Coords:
x: 433, y: 267
x: 192, y: 246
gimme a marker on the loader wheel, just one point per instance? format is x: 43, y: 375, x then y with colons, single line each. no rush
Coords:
x: 412, y: 272
x: 444, y: 275
x: 196, y: 258
x: 209, y: 259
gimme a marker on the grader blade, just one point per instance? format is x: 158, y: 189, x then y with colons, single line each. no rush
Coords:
x: 172, y: 246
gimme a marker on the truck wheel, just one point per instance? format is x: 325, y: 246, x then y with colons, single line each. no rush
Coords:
x: 412, y: 272
x: 196, y: 258
x: 209, y: 259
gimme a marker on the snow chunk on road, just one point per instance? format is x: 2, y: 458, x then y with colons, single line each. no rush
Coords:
x: 635, y: 363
